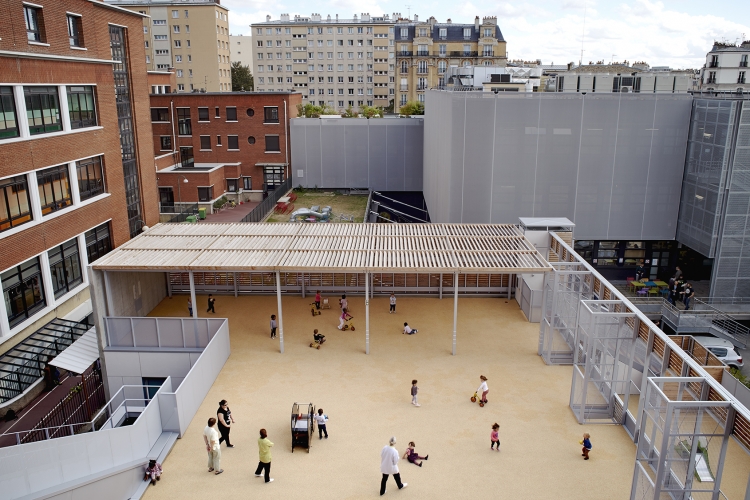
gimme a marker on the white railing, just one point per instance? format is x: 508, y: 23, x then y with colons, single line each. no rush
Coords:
x: 139, y: 333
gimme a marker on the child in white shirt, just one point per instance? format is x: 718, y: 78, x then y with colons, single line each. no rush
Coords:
x: 321, y: 420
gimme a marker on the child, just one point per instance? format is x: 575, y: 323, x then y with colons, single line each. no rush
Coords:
x: 211, y: 301
x: 483, y: 389
x: 344, y: 316
x: 343, y: 303
x: 190, y: 307
x: 153, y: 471
x: 586, y: 442
x: 414, y: 391
x: 321, y: 421
x: 393, y: 303
x: 317, y: 300
x: 495, y: 437
x: 273, y: 326
x: 412, y: 456
x: 319, y: 337
x: 409, y: 330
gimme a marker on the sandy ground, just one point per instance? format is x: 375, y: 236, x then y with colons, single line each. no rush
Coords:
x: 367, y: 400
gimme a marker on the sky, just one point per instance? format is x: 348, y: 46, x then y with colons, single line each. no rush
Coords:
x: 672, y: 33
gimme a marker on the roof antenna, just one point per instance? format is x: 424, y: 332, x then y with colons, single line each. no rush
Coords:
x: 583, y: 33
x: 408, y: 7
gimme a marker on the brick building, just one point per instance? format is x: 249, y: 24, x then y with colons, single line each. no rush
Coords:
x: 208, y: 145
x: 74, y: 179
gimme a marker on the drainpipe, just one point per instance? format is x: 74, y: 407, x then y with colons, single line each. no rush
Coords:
x: 286, y: 141
x: 174, y: 139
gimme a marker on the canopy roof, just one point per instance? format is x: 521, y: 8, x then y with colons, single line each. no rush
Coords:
x: 79, y: 355
x: 242, y: 246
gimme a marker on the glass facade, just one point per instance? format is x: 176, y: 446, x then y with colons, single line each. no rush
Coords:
x: 42, y: 109
x: 127, y: 137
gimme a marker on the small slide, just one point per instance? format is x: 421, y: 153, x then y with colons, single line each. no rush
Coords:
x: 306, y: 213
x: 702, y: 470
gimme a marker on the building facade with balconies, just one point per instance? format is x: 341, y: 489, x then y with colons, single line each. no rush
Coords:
x: 726, y: 68
x: 425, y: 50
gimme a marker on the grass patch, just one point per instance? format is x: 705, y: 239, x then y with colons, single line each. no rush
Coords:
x: 339, y: 203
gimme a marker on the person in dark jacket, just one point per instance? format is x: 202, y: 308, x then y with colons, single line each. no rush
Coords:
x: 225, y: 420
x: 639, y: 271
x: 586, y: 442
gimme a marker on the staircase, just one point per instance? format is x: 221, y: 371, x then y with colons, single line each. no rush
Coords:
x: 705, y: 319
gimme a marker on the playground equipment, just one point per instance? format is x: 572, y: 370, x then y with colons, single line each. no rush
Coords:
x: 474, y: 399
x: 314, y: 310
x: 319, y: 340
x: 309, y: 215
x: 303, y: 426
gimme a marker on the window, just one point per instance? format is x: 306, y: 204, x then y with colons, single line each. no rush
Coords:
x: 488, y: 32
x: 159, y: 22
x: 98, y: 242
x: 272, y: 143
x: 741, y: 77
x: 175, y: 28
x: 247, y: 183
x: 271, y: 114
x: 233, y: 142
x: 467, y: 33
x: 175, y: 14
x: 184, y: 126
x: 205, y: 142
x: 23, y: 290
x: 743, y: 61
x: 231, y: 114
x: 186, y: 13
x: 404, y: 32
x: 203, y: 114
x: 177, y: 43
x: 443, y: 33
x: 75, y: 35
x: 442, y: 66
x: 42, y: 109
x: 179, y: 73
x: 54, y: 188
x: 160, y: 37
x: 216, y: 111
x: 14, y: 202
x: 166, y: 142
x: 65, y: 267
x: 177, y: 58
x: 8, y: 120
x: 81, y: 107
x: 34, y: 24
x: 422, y: 67
x: 187, y: 28
x: 90, y: 177
x: 487, y: 50
x: 206, y: 193
x: 160, y: 114
x: 232, y: 185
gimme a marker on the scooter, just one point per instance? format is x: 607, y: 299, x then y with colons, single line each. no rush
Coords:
x: 475, y: 398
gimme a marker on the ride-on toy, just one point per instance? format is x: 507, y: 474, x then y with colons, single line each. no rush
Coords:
x: 314, y: 310
x: 349, y: 325
x: 474, y: 399
x: 319, y: 340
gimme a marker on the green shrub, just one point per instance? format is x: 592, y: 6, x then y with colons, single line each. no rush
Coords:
x: 218, y: 203
x: 739, y: 376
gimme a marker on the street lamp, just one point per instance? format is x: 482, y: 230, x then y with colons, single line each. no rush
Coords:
x: 179, y: 191
x: 144, y: 227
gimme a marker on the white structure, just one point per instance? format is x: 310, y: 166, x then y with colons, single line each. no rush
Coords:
x: 658, y: 82
x: 726, y: 68
x: 241, y: 50
x: 489, y: 78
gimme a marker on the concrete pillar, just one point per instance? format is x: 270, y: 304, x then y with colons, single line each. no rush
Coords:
x: 108, y: 292
x: 192, y: 294
x: 455, y: 309
x: 169, y: 284
x: 367, y: 313
x: 281, y: 321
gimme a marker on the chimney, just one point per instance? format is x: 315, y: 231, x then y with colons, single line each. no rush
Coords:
x: 355, y: 18
x: 268, y: 18
x: 285, y: 18
x: 448, y: 21
x: 416, y: 18
x: 337, y: 18
x: 476, y: 23
x: 328, y: 18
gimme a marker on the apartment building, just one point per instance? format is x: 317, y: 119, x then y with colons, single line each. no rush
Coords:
x: 209, y: 145
x: 74, y: 180
x: 425, y: 50
x: 241, y: 50
x: 331, y: 61
x: 191, y: 36
x: 726, y: 68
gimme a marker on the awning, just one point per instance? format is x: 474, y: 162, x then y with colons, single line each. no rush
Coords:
x: 80, y: 355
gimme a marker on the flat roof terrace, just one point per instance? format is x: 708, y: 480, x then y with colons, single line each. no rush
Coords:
x: 367, y: 399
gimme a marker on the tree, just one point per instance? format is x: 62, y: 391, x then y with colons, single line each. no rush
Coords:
x: 372, y: 112
x: 412, y: 108
x: 349, y: 113
x: 242, y: 78
x: 310, y: 110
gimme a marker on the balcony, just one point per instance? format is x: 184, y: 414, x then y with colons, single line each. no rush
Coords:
x: 463, y: 53
x: 422, y: 87
x: 741, y: 79
x: 403, y: 88
x: 488, y: 54
x: 713, y: 64
x: 743, y: 64
x: 423, y: 53
x: 404, y: 53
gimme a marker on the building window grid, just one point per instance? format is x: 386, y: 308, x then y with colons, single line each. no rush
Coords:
x: 54, y: 188
x: 42, y: 109
x: 90, y: 177
x: 15, y: 202
x: 184, y: 125
x: 65, y: 267
x: 81, y: 107
x: 23, y: 291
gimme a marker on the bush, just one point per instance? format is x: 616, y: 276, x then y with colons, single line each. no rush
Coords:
x: 412, y: 108
x: 349, y: 113
x: 372, y: 112
x: 218, y: 203
x: 310, y: 110
x: 739, y: 376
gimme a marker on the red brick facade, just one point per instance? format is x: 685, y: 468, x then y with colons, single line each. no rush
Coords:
x: 24, y: 155
x: 248, y: 155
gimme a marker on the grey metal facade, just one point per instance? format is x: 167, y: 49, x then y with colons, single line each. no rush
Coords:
x: 377, y: 153
x: 612, y: 163
x: 715, y: 207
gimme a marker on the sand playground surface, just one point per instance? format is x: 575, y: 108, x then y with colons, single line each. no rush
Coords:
x: 367, y: 399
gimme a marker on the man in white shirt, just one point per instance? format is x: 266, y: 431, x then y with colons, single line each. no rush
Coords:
x: 389, y: 458
x: 211, y: 438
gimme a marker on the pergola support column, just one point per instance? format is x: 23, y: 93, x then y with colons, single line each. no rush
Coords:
x: 440, y: 287
x: 192, y: 294
x: 367, y: 313
x: 169, y: 284
x: 455, y: 309
x: 303, y: 285
x: 281, y: 321
x: 234, y: 280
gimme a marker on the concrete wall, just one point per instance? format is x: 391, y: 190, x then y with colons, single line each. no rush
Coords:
x: 611, y: 163
x: 378, y: 154
x: 130, y: 367
x: 135, y: 294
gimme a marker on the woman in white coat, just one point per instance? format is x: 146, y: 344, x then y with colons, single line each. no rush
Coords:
x: 389, y: 458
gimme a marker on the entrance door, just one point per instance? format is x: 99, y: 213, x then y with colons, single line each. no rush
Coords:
x: 186, y: 157
x: 152, y: 386
x: 273, y: 176
x: 166, y: 196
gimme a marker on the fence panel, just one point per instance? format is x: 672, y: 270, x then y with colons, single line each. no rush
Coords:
x: 259, y: 212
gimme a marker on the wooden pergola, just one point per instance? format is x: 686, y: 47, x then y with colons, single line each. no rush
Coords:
x: 295, y: 247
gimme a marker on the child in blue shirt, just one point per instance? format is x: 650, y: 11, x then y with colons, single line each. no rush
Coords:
x: 586, y: 442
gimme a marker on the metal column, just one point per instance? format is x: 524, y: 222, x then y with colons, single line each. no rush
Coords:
x: 303, y: 285
x: 367, y: 313
x: 440, y: 287
x: 169, y: 285
x: 455, y: 309
x: 281, y: 322
x: 234, y: 279
x: 192, y: 295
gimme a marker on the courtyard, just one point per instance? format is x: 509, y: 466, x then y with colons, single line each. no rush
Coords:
x: 367, y: 400
x: 341, y: 204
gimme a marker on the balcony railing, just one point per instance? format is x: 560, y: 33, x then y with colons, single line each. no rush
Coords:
x: 423, y: 53
x: 741, y: 79
x: 403, y: 88
x: 463, y: 53
x: 422, y: 87
x: 713, y: 64
x: 404, y: 53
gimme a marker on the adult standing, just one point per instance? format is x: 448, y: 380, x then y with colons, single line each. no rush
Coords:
x: 225, y: 418
x: 483, y: 389
x: 211, y: 438
x: 190, y: 307
x: 264, y: 452
x: 689, y: 294
x: 389, y: 458
x: 677, y: 273
x: 211, y: 302
x: 639, y: 271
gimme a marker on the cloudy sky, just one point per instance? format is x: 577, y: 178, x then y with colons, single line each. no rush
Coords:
x: 673, y: 33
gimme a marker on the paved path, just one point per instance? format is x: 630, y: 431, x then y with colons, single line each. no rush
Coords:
x: 235, y: 214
